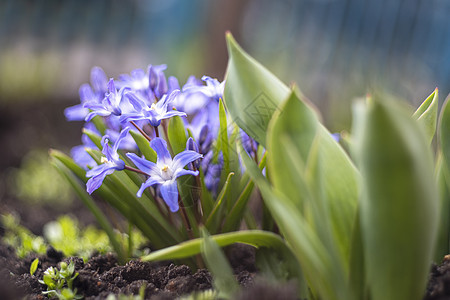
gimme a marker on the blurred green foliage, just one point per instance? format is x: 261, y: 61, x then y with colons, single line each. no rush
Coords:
x: 37, y: 182
x: 64, y: 235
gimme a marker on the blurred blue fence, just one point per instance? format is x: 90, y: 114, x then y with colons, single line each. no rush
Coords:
x: 404, y: 38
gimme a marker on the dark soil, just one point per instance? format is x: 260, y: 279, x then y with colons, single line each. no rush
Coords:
x: 102, y: 276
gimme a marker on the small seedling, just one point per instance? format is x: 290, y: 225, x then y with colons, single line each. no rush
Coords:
x: 34, y: 266
x: 60, y: 282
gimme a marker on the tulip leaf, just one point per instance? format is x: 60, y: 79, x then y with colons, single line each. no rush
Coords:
x: 255, y: 238
x: 427, y: 114
x: 316, y: 262
x: 252, y: 93
x: 399, y: 204
x: 291, y: 136
x: 223, y: 278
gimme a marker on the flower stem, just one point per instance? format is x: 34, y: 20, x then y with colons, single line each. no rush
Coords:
x: 141, y: 131
x: 185, y: 219
x: 156, y: 131
x: 136, y: 170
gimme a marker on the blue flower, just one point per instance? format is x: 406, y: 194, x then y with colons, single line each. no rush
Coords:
x: 196, y: 95
x: 137, y: 81
x: 154, y: 113
x: 110, y: 163
x: 165, y: 171
x: 110, y: 105
x: 88, y: 94
x: 157, y: 80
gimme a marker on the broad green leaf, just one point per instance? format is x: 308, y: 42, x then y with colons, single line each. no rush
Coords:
x: 255, y: 238
x: 223, y: 278
x: 443, y: 167
x: 442, y: 244
x: 427, y: 114
x: 399, y: 204
x: 444, y: 135
x: 252, y: 94
x: 177, y: 134
x: 144, y: 146
x: 292, y: 131
x: 317, y: 264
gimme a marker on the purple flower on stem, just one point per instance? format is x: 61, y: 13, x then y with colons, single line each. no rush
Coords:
x: 110, y: 105
x: 154, y: 113
x: 165, y: 171
x: 88, y: 94
x: 110, y: 163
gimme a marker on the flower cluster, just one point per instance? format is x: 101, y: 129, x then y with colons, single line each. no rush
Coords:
x: 143, y: 101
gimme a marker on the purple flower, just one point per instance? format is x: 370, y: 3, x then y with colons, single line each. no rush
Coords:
x: 157, y: 80
x: 336, y: 137
x: 153, y: 113
x: 165, y: 171
x: 196, y: 95
x: 137, y: 81
x: 110, y: 105
x: 88, y: 94
x: 212, y: 171
x: 79, y: 154
x: 110, y: 163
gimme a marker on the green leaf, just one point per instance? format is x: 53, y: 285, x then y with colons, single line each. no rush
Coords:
x: 177, y: 134
x: 255, y: 238
x: 213, y: 220
x: 291, y: 136
x: 223, y: 278
x: 94, y: 137
x: 251, y: 93
x: 317, y: 264
x: 234, y: 218
x: 34, y: 266
x: 427, y: 114
x: 443, y: 242
x: 444, y: 135
x: 399, y: 206
x: 95, y: 210
x: 144, y: 146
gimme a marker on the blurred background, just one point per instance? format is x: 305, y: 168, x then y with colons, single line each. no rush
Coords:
x: 335, y: 50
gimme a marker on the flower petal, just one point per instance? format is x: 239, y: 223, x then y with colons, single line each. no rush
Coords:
x: 173, y: 113
x: 76, y: 113
x: 183, y: 158
x: 122, y: 135
x: 96, y: 181
x: 151, y: 181
x: 142, y: 164
x: 98, y: 79
x: 169, y: 192
x: 182, y: 172
x: 160, y: 147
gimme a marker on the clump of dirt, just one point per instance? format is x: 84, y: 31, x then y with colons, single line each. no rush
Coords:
x: 439, y: 284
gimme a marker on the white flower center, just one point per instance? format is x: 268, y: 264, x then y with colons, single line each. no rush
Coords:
x: 166, y: 173
x: 153, y: 107
x: 104, y: 160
